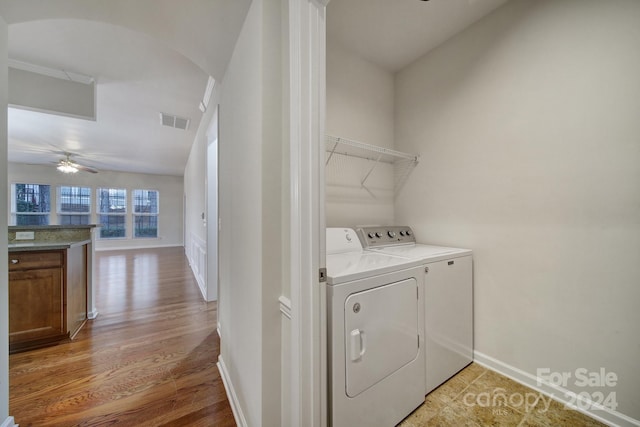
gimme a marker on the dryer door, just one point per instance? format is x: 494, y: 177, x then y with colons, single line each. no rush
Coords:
x: 381, y: 333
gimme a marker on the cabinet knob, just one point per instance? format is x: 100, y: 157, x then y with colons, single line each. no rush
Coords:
x: 15, y: 261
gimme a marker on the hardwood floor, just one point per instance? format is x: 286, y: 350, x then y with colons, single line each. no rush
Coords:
x: 148, y: 359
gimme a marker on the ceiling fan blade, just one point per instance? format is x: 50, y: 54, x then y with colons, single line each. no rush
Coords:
x: 85, y: 168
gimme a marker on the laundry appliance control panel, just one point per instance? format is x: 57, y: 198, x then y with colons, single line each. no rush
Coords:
x: 385, y: 236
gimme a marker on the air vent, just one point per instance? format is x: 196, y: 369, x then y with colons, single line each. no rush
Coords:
x: 174, y: 121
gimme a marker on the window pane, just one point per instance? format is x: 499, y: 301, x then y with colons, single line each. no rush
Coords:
x: 32, y: 219
x: 33, y: 198
x: 145, y: 201
x: 75, y: 199
x: 112, y: 200
x: 74, y: 219
x: 112, y: 226
x: 145, y: 226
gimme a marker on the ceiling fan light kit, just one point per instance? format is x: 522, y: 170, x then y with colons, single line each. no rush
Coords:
x: 66, y: 167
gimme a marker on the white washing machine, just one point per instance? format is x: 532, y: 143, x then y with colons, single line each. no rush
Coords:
x: 448, y: 284
x: 375, y: 333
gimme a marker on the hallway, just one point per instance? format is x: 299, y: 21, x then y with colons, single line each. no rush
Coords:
x: 148, y: 359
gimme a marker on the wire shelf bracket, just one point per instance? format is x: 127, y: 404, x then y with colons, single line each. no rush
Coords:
x: 403, y: 163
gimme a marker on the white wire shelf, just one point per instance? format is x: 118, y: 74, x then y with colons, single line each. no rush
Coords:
x: 349, y: 147
x: 403, y: 163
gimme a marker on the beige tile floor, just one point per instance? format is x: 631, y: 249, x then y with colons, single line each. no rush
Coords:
x: 480, y: 397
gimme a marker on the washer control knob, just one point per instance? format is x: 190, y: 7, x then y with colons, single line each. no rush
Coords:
x: 378, y: 234
x: 408, y: 232
x: 391, y: 234
x: 371, y: 235
x: 402, y: 233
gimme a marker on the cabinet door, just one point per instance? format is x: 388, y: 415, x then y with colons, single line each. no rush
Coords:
x: 36, y: 305
x: 76, y: 280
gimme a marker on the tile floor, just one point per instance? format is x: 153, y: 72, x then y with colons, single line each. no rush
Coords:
x: 480, y: 397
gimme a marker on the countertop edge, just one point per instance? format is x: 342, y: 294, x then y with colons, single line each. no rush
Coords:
x: 45, y: 246
x: 51, y: 227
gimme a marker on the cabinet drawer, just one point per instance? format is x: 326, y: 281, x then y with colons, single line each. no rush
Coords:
x: 30, y: 260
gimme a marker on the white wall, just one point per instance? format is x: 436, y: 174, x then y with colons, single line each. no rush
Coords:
x: 170, y: 226
x: 360, y: 106
x: 4, y: 289
x: 195, y: 199
x: 528, y: 126
x: 250, y: 149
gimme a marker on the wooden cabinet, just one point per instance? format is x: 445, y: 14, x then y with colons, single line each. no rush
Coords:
x: 47, y: 296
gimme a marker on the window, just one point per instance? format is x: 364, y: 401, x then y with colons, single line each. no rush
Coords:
x: 74, y: 205
x: 145, y: 213
x: 112, y: 208
x: 31, y: 204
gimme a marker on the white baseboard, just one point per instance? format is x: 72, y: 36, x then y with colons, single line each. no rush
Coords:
x: 241, y: 421
x: 92, y: 314
x: 200, y: 281
x: 9, y: 422
x: 124, y: 248
x: 602, y: 414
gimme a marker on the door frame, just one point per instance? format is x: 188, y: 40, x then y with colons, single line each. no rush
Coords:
x: 307, y: 58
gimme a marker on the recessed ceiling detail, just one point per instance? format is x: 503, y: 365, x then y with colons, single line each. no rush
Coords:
x: 174, y: 121
x: 136, y: 78
x: 393, y: 34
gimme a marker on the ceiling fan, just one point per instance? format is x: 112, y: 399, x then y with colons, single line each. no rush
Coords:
x: 67, y: 166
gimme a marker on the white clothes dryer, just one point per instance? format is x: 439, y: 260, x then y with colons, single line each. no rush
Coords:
x: 375, y: 334
x: 448, y: 284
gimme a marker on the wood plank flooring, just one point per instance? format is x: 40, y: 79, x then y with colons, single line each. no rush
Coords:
x: 148, y: 359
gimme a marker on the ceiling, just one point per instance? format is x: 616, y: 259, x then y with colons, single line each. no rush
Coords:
x: 395, y: 33
x: 147, y: 57
x: 152, y: 56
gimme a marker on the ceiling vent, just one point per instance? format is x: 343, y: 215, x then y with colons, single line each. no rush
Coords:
x: 174, y: 121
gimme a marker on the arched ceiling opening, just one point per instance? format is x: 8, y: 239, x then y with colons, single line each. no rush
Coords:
x: 147, y: 57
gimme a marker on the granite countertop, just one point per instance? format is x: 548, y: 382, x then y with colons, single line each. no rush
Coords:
x: 44, y: 246
x: 50, y: 227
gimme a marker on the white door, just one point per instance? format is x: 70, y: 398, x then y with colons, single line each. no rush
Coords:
x: 381, y: 333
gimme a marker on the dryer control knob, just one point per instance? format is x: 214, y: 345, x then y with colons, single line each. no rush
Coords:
x: 391, y: 234
x: 408, y: 232
x: 371, y: 235
x: 378, y: 235
x: 402, y: 233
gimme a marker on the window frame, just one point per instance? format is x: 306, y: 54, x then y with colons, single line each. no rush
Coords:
x: 60, y: 213
x: 135, y: 214
x: 14, y: 205
x: 100, y: 213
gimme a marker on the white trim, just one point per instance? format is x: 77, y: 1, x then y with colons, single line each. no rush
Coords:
x: 602, y: 414
x: 285, y: 306
x: 92, y: 314
x: 125, y: 248
x: 9, y: 422
x: 306, y: 120
x: 51, y: 72
x: 241, y: 421
x: 196, y: 251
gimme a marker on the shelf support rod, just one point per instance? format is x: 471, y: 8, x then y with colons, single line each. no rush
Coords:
x: 332, y: 151
x: 370, y: 170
